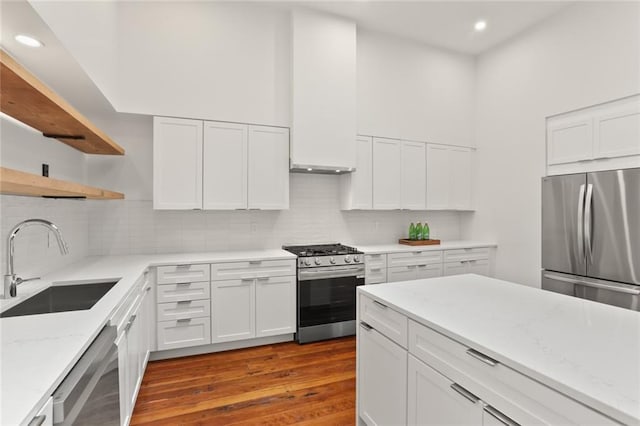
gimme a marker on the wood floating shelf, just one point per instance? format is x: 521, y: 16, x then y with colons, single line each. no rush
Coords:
x: 27, y: 99
x: 15, y: 182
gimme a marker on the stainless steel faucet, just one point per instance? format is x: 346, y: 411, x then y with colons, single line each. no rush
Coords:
x: 11, y: 281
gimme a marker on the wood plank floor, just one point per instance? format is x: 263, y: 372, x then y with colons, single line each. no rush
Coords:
x: 277, y: 384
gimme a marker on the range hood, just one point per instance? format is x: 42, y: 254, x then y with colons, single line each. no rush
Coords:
x: 323, y: 109
x: 316, y: 169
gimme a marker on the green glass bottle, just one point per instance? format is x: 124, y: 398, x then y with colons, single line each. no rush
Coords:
x: 425, y: 231
x: 412, y: 231
x: 418, y: 231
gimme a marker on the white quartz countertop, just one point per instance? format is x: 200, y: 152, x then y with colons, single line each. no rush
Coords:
x: 588, y: 351
x: 402, y: 248
x: 38, y: 351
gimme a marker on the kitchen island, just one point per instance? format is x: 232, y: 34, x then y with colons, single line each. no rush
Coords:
x: 469, y: 349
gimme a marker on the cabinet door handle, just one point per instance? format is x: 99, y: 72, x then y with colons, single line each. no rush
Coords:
x: 382, y: 305
x: 502, y: 418
x: 365, y: 326
x: 130, y: 323
x: 462, y: 391
x: 482, y: 357
x: 38, y: 420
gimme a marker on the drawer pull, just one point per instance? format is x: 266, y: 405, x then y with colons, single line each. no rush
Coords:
x: 182, y: 266
x: 375, y: 269
x: 462, y: 391
x: 382, y: 305
x: 482, y: 357
x: 500, y: 417
x: 255, y: 262
x: 183, y: 320
x: 183, y: 302
x: 365, y: 326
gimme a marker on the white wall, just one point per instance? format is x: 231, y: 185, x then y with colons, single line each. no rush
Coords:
x: 211, y: 60
x: 413, y: 91
x: 36, y: 252
x: 589, y: 53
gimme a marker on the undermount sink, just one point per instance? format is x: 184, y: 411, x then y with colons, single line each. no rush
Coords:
x: 61, y: 298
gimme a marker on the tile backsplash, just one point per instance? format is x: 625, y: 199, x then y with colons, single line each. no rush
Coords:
x: 36, y: 251
x: 132, y: 227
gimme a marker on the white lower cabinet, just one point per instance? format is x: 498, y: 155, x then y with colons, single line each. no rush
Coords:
x: 382, y: 379
x: 233, y: 310
x: 467, y: 261
x: 440, y: 381
x: 248, y: 308
x: 275, y: 306
x: 183, y: 333
x: 433, y: 399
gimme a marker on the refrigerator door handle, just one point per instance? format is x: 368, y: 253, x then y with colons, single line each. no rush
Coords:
x: 581, y: 222
x: 588, y: 223
x: 594, y: 284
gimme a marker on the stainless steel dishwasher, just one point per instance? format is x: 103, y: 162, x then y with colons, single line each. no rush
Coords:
x: 90, y: 394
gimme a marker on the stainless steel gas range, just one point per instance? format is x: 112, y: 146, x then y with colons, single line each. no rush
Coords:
x: 328, y: 275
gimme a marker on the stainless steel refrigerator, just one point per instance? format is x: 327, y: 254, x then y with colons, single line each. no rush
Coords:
x: 591, y: 236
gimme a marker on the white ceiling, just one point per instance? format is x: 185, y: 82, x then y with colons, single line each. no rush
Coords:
x: 445, y: 24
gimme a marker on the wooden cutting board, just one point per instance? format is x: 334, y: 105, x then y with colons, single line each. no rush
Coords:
x: 418, y: 242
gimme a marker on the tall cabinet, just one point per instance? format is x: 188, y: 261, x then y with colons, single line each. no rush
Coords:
x: 219, y: 166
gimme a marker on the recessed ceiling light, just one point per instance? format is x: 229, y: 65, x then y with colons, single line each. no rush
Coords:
x: 480, y: 25
x: 28, y: 40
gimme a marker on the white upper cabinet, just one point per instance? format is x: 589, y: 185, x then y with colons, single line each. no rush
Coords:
x: 323, y: 131
x: 413, y: 175
x: 602, y: 137
x: 449, y: 174
x: 438, y: 177
x: 177, y: 163
x: 461, y: 163
x: 616, y: 129
x: 225, y: 166
x: 387, y: 174
x: 357, y: 187
x: 268, y: 168
x: 570, y: 139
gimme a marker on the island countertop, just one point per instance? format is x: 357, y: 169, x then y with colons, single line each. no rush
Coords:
x: 586, y: 350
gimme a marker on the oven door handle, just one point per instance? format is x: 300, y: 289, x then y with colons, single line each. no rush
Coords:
x: 326, y: 272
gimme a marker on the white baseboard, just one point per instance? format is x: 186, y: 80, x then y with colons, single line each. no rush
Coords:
x: 219, y: 347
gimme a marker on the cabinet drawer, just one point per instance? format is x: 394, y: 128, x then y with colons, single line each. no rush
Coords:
x: 466, y: 254
x: 402, y: 273
x: 517, y: 395
x: 183, y: 291
x: 184, y: 333
x: 184, y: 309
x: 375, y: 261
x: 388, y: 322
x: 375, y: 276
x: 455, y: 268
x: 252, y: 269
x: 183, y: 273
x: 429, y: 271
x: 414, y: 258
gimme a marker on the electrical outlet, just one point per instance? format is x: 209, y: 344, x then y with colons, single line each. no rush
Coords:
x: 45, y: 170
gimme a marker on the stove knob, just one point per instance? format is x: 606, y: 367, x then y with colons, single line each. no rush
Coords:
x: 347, y: 258
x: 307, y: 262
x: 356, y: 259
x: 317, y: 261
x: 332, y: 260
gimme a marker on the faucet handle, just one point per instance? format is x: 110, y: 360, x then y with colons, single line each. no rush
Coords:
x: 21, y: 280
